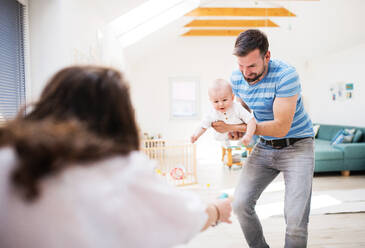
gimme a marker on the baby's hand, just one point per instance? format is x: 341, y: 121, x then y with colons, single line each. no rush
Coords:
x: 193, y: 139
x: 246, y: 140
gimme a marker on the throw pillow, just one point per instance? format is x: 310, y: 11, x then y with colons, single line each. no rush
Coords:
x: 357, y: 136
x: 343, y: 136
x: 348, y: 135
x: 315, y: 129
x: 338, y: 138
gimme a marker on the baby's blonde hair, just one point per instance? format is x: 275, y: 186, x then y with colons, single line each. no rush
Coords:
x: 220, y: 84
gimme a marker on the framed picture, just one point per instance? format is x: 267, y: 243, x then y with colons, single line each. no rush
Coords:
x: 341, y: 91
x: 184, y: 97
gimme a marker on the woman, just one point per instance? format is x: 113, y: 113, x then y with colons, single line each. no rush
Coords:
x: 72, y: 175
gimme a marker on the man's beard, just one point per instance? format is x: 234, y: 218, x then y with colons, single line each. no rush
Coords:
x: 250, y: 80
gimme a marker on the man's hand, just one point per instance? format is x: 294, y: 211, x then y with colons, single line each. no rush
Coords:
x: 221, y: 127
x: 235, y: 131
x: 235, y: 135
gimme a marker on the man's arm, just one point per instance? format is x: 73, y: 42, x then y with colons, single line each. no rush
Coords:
x: 243, y: 104
x: 284, y: 110
x: 222, y: 127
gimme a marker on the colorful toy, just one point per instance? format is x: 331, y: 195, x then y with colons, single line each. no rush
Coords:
x: 231, y: 159
x: 177, y: 173
x: 223, y: 196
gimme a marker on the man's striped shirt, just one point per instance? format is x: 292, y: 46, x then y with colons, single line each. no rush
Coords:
x: 281, y: 80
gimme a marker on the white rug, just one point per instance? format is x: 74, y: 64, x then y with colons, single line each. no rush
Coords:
x: 271, y: 203
x: 344, y: 201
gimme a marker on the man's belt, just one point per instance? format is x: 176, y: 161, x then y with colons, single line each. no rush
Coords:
x: 280, y: 143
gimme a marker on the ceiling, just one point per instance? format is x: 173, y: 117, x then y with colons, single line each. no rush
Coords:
x: 231, y: 19
x: 310, y: 28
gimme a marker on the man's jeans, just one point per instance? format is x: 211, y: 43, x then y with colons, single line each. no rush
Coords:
x: 263, y: 165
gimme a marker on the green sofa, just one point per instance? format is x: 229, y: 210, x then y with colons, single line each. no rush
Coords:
x: 343, y: 157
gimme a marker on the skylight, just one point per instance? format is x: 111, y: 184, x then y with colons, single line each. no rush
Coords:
x: 148, y: 18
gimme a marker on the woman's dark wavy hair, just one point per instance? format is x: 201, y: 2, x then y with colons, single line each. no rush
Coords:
x: 84, y: 113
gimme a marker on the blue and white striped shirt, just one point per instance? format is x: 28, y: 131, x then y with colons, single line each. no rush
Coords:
x: 281, y: 80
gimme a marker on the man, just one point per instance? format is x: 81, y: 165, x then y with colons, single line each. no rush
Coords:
x: 271, y: 89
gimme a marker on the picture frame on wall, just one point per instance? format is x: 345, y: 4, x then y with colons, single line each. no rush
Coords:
x: 342, y: 91
x: 184, y: 100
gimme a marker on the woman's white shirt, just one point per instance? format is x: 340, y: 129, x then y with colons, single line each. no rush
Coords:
x: 116, y: 202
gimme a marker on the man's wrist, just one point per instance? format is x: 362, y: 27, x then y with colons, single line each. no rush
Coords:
x: 240, y: 128
x: 248, y: 135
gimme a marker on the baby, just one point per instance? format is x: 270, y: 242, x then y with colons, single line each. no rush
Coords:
x: 225, y: 109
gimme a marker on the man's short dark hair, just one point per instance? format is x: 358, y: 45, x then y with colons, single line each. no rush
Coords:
x: 250, y: 40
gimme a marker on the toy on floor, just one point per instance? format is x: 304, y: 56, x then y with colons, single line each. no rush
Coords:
x: 177, y: 173
x: 226, y: 196
x: 158, y: 171
x: 223, y: 196
x: 231, y: 159
x: 176, y: 160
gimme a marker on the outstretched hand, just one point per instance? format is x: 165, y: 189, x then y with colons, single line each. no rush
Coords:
x: 225, y: 209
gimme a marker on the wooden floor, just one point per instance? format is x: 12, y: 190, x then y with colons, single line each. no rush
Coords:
x: 346, y: 230
x: 329, y: 231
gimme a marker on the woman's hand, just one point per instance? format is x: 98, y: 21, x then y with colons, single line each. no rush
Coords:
x: 219, y: 211
x: 225, y: 209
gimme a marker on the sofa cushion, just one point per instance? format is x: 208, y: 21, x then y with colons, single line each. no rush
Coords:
x: 337, y: 139
x: 357, y: 136
x: 315, y: 129
x: 322, y: 142
x: 353, y: 150
x: 349, y: 134
x: 327, y: 132
x: 324, y: 151
x: 343, y: 136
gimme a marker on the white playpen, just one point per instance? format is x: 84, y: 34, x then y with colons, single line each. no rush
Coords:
x: 176, y: 160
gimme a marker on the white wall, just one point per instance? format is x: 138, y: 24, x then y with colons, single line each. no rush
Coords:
x: 66, y: 32
x: 344, y: 66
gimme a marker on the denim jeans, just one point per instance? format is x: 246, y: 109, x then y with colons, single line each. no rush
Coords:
x: 262, y: 166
